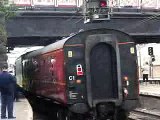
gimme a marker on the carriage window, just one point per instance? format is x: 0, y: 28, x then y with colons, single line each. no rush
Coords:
x: 53, y: 61
x: 41, y: 63
x: 48, y: 60
x: 35, y: 65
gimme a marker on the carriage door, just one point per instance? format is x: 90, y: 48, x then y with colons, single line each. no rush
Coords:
x: 102, y: 61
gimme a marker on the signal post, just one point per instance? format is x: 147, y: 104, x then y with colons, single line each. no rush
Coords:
x: 152, y: 59
x: 96, y: 10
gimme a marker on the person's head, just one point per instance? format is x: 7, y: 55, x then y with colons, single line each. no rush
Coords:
x: 11, y: 72
x: 5, y: 68
x: 146, y: 63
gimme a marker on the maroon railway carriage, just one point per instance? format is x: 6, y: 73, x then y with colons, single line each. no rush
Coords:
x: 92, y: 70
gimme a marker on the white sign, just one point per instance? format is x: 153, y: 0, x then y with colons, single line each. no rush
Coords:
x: 71, y: 77
x: 70, y: 54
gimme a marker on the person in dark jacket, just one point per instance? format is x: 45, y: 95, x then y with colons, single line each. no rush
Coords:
x: 7, y: 84
x: 16, y: 92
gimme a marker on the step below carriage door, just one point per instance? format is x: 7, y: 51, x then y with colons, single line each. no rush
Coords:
x: 102, y: 69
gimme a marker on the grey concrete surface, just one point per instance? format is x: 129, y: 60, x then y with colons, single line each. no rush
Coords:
x: 22, y: 110
x: 150, y: 103
x: 150, y: 89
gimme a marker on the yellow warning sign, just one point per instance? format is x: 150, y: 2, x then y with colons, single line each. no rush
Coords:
x: 132, y: 50
x: 70, y: 54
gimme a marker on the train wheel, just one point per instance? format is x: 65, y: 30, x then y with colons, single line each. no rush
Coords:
x: 73, y: 116
x: 61, y: 115
x: 69, y: 116
x: 121, y: 114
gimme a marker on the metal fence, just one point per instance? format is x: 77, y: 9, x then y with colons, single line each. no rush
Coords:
x: 154, y: 4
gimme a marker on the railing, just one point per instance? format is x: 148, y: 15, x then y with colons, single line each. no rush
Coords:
x: 155, y: 4
x: 140, y: 4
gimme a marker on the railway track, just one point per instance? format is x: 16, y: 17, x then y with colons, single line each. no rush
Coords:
x: 141, y: 114
x: 39, y: 116
x: 149, y: 108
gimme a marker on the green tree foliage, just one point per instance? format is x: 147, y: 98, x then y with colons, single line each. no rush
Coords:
x: 3, y: 40
x: 4, y: 14
x: 3, y: 35
x: 7, y: 9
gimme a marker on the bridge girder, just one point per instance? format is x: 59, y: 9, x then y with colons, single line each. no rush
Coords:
x: 53, y: 26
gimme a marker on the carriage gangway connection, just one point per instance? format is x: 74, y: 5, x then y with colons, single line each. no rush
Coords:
x: 22, y: 110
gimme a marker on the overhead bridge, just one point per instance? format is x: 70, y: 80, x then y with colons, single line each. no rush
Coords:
x: 45, y: 27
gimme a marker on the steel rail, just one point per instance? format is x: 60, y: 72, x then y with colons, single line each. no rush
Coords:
x: 146, y: 114
x: 141, y: 115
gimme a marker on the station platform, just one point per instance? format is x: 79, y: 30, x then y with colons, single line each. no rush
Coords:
x: 150, y: 89
x: 22, y: 110
x: 155, y: 80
